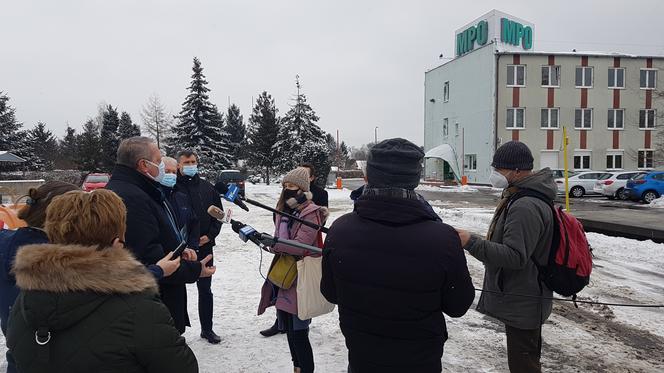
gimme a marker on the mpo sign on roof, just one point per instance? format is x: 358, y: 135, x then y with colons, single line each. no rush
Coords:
x: 507, y: 32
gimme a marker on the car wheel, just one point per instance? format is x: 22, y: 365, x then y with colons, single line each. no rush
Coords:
x: 621, y: 194
x: 577, y: 192
x: 650, y: 196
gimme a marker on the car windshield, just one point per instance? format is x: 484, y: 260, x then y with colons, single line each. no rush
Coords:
x: 639, y: 177
x: 97, y: 179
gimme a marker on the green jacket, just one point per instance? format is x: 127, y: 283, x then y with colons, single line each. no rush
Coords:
x: 92, y: 311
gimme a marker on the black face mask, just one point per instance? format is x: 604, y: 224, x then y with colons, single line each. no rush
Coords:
x: 289, y: 193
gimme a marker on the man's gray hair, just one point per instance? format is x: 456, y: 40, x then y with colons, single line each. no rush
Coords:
x: 134, y: 149
x: 170, y: 160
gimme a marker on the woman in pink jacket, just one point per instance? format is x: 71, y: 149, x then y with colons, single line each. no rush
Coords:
x: 295, y: 200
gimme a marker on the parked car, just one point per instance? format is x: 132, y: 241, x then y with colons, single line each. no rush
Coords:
x: 580, y: 184
x: 560, y: 173
x: 233, y: 176
x: 613, y: 184
x: 646, y: 187
x: 95, y: 181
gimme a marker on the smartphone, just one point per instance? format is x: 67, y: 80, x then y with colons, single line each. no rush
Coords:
x: 178, y: 250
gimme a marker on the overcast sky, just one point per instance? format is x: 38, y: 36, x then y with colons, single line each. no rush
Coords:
x: 361, y: 62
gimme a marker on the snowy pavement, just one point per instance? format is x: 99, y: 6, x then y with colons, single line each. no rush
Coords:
x: 591, y: 338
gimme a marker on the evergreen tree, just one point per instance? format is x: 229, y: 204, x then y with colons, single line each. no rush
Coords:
x: 237, y: 133
x: 262, y: 134
x: 301, y: 140
x: 68, y: 150
x: 339, y: 156
x: 109, y: 138
x: 11, y: 136
x: 127, y: 128
x: 156, y: 121
x: 200, y: 126
x: 42, y: 147
x: 89, y: 147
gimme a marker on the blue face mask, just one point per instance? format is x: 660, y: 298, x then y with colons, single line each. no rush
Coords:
x: 190, y: 170
x: 169, y: 180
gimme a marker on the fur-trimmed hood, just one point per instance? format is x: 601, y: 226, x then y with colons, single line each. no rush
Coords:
x: 74, y: 268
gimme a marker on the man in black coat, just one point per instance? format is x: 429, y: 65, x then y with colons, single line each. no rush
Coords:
x: 201, y: 195
x: 394, y: 269
x: 152, y: 223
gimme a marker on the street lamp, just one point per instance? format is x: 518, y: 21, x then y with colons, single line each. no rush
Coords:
x: 376, y: 135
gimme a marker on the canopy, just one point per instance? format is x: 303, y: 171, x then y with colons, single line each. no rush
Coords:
x: 446, y: 153
x: 9, y: 157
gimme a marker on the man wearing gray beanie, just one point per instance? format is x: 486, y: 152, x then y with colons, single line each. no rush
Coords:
x: 394, y: 269
x: 519, y: 236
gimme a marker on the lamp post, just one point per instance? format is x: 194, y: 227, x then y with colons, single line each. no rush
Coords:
x: 376, y: 135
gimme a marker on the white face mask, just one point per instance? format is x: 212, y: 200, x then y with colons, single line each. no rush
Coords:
x: 498, y: 180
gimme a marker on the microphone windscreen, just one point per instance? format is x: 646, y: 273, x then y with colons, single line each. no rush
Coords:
x: 216, y: 212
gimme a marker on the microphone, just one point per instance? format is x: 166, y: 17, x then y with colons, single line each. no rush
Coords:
x: 230, y: 192
x: 217, y: 213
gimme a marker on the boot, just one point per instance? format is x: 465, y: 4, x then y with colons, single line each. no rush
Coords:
x: 211, y: 337
x: 272, y: 331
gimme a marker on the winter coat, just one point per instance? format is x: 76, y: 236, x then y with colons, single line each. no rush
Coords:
x: 10, y: 242
x: 201, y: 196
x: 357, y: 193
x: 520, y: 238
x: 394, y: 270
x: 287, y: 299
x: 150, y: 235
x: 319, y: 195
x: 97, y: 311
x: 187, y: 218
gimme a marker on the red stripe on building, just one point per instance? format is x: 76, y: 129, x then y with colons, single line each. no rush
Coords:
x: 515, y: 135
x: 550, y: 98
x: 616, y: 140
x: 648, y: 142
x: 584, y: 98
x: 649, y: 63
x: 616, y: 61
x: 616, y: 99
x: 516, y: 59
x: 549, y: 140
x: 584, y: 61
x: 515, y: 97
x: 584, y: 139
x: 552, y: 60
x: 649, y: 99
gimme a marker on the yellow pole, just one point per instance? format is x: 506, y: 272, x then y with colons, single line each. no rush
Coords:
x: 565, y: 143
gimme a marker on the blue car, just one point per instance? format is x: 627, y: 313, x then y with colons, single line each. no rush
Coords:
x: 646, y: 187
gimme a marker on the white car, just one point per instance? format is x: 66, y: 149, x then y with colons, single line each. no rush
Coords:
x: 580, y: 184
x: 613, y: 184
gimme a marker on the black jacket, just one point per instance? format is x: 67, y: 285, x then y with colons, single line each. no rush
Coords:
x: 150, y: 235
x: 393, y: 270
x: 101, y: 309
x: 319, y: 195
x: 201, y: 195
x: 187, y: 218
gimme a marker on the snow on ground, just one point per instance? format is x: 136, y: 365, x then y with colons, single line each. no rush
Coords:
x: 658, y: 203
x: 607, y: 339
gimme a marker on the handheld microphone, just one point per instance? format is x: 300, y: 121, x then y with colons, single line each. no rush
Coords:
x: 230, y: 192
x: 218, y: 214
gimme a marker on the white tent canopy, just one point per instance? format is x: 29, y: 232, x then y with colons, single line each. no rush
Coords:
x: 446, y: 153
x: 6, y: 156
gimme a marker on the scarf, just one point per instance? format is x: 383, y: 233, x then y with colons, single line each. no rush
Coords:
x: 369, y: 193
x: 502, y: 205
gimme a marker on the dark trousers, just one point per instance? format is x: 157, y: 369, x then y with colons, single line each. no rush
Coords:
x: 524, y: 349
x: 299, y: 345
x: 205, y: 302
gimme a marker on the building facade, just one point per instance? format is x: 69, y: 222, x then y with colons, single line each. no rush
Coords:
x: 486, y: 96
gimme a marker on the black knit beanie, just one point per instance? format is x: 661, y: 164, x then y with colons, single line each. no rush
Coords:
x: 513, y: 155
x: 394, y: 163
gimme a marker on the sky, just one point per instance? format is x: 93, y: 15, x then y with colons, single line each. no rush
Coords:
x: 361, y: 63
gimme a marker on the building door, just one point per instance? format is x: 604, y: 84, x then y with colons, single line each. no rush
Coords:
x: 549, y: 159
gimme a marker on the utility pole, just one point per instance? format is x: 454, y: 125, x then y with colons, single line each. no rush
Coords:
x: 376, y: 135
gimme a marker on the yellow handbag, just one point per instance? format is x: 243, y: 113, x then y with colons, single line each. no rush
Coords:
x: 283, y: 271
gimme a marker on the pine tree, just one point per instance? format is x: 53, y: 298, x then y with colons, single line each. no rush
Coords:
x: 68, y: 150
x: 200, y: 126
x: 237, y: 133
x: 109, y: 138
x: 301, y: 140
x: 43, y: 148
x: 262, y: 134
x: 89, y: 147
x: 127, y: 128
x: 12, y: 138
x: 156, y: 121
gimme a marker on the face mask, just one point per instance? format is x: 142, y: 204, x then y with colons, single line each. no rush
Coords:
x: 169, y: 180
x: 162, y: 171
x: 190, y: 170
x: 498, y: 180
x: 289, y: 193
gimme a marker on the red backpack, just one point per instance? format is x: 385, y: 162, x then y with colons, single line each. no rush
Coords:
x: 570, y: 258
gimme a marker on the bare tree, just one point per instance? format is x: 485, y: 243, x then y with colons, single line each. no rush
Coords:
x: 156, y: 120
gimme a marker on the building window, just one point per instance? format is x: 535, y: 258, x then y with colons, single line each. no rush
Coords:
x: 614, y: 161
x: 470, y: 162
x: 584, y: 77
x: 647, y: 118
x: 616, y: 119
x: 648, y: 79
x: 646, y: 159
x: 445, y: 127
x: 549, y: 118
x: 516, y: 118
x: 616, y: 77
x: 446, y: 92
x: 516, y: 75
x: 456, y: 129
x: 551, y: 76
x: 582, y: 162
x: 583, y: 118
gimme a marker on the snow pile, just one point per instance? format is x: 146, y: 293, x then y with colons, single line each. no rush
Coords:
x: 658, y: 203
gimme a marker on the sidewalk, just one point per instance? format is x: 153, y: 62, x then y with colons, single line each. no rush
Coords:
x: 637, y: 223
